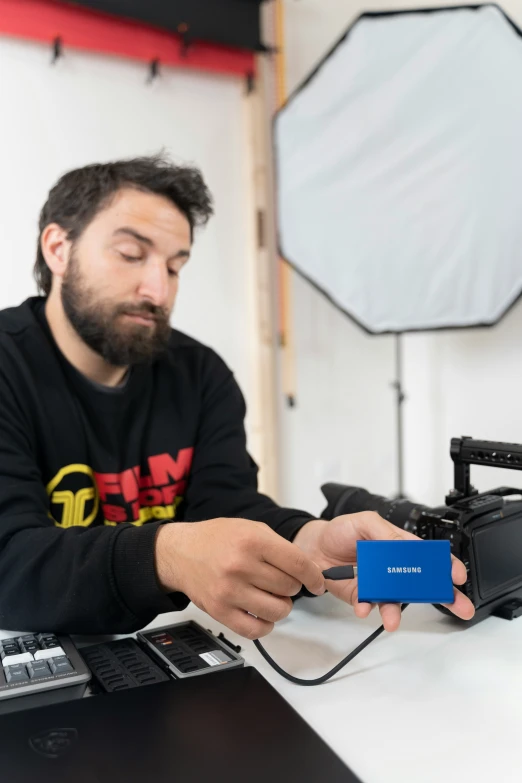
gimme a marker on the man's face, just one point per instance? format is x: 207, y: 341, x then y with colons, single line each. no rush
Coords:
x: 121, y: 281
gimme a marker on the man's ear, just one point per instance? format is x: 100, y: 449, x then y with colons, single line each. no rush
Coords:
x: 55, y: 248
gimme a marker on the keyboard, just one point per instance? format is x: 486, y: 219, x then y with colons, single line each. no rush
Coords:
x: 40, y: 669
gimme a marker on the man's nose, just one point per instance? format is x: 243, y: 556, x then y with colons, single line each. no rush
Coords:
x: 155, y: 284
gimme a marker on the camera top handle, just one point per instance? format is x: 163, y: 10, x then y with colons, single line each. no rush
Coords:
x: 465, y: 452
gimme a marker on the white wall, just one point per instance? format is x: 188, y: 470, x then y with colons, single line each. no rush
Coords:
x: 93, y: 108
x: 458, y: 383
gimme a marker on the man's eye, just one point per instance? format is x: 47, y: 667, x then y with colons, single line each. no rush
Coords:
x: 129, y: 258
x: 173, y: 273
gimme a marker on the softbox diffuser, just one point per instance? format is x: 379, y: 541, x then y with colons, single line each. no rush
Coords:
x: 399, y: 170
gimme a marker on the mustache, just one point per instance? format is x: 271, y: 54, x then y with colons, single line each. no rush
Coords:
x: 145, y: 309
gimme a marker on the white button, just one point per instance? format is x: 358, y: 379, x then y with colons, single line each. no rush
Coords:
x: 11, y: 660
x: 54, y: 652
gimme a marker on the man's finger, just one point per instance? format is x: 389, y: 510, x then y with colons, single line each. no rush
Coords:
x: 293, y: 561
x: 363, y: 610
x: 273, y: 580
x: 345, y: 590
x: 370, y: 526
x: 266, y: 606
x: 461, y: 606
x: 246, y: 625
x: 391, y: 616
x: 390, y: 613
x: 458, y: 571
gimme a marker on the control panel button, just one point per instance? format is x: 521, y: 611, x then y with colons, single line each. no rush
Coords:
x: 38, y: 669
x: 47, y: 641
x: 16, y: 674
x: 60, y: 665
x: 11, y: 660
x: 53, y: 652
x: 30, y: 647
x: 9, y: 647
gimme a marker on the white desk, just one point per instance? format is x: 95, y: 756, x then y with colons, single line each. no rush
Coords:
x: 429, y: 704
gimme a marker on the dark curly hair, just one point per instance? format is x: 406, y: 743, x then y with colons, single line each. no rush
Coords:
x: 80, y: 195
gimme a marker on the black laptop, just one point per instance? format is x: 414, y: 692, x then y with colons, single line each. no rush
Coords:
x: 230, y: 726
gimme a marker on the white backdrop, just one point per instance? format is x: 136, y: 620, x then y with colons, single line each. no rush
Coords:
x: 458, y: 383
x: 93, y: 108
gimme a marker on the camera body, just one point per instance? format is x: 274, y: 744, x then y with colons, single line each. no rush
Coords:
x: 484, y: 530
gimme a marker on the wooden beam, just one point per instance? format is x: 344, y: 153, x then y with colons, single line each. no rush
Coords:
x: 263, y: 426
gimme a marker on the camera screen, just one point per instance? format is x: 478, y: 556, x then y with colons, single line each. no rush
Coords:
x: 498, y: 555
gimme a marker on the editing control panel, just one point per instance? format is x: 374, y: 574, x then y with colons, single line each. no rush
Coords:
x: 35, y: 667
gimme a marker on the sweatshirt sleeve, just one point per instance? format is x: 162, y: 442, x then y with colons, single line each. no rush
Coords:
x: 74, y: 580
x: 223, y: 478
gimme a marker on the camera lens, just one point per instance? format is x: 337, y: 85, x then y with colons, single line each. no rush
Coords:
x: 343, y: 499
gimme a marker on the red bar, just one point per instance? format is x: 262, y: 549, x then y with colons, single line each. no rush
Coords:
x: 80, y: 28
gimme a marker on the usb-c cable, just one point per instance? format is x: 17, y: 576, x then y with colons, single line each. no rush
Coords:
x: 337, y: 573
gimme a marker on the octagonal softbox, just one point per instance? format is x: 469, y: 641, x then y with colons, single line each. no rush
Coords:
x: 399, y: 168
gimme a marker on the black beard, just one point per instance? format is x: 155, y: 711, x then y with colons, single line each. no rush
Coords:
x: 96, y: 322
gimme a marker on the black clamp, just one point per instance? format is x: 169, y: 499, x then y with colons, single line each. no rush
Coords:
x: 57, y: 50
x: 250, y: 83
x: 154, y: 71
x: 185, y: 42
x: 224, y: 639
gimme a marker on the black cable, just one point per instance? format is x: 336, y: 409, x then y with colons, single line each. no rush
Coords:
x: 337, y: 573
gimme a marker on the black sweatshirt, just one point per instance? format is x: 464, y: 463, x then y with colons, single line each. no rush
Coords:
x: 88, y: 473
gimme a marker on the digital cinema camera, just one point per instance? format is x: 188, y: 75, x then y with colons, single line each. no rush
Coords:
x: 485, y: 530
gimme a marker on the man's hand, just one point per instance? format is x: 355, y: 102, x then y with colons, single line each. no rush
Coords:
x: 240, y: 572
x: 334, y: 543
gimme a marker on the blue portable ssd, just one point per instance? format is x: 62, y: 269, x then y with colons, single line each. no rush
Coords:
x: 404, y: 572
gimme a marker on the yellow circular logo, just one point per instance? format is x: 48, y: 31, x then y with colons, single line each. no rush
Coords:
x: 73, y: 496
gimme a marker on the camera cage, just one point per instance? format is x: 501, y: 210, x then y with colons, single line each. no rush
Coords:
x: 466, y: 451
